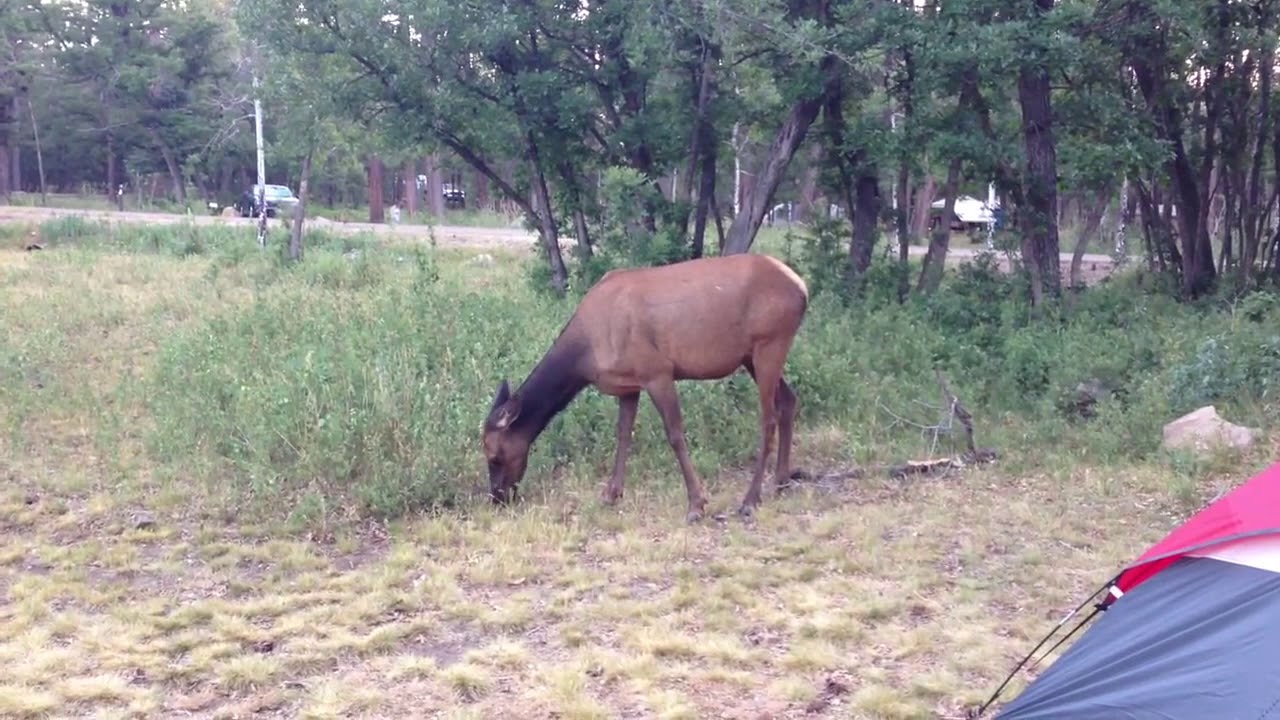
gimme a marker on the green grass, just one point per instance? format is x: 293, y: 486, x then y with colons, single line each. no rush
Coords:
x: 306, y: 439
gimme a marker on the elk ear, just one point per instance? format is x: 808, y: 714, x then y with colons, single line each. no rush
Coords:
x: 507, y: 414
x: 504, y: 394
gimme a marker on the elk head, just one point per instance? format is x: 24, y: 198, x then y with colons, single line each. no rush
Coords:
x: 506, y: 451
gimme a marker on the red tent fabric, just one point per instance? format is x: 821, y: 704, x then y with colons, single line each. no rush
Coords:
x: 1253, y: 509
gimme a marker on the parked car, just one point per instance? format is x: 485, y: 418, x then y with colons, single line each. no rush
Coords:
x: 455, y: 197
x: 970, y: 214
x: 278, y: 198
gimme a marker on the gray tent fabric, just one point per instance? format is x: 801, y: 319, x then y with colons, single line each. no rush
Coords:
x: 1198, y: 641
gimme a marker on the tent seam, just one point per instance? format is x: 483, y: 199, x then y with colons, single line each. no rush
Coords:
x: 1269, y: 710
x: 1199, y: 546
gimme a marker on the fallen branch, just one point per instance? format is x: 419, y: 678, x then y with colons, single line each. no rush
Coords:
x: 934, y: 467
x: 981, y: 456
x: 826, y: 478
x: 951, y: 411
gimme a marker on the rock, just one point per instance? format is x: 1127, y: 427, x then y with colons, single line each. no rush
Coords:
x: 1204, y: 429
x: 143, y: 520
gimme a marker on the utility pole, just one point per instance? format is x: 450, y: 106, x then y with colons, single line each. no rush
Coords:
x: 262, y: 165
x: 893, y: 193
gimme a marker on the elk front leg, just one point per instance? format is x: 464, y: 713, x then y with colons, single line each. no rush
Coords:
x: 667, y: 401
x: 627, y: 406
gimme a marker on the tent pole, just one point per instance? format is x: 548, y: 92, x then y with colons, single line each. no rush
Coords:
x: 1096, y: 609
x: 983, y: 708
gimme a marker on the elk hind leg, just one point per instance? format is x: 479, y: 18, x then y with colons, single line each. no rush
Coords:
x: 627, y: 407
x: 667, y: 401
x: 785, y: 402
x: 765, y: 367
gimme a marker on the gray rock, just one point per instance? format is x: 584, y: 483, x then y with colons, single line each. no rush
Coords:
x: 1204, y: 430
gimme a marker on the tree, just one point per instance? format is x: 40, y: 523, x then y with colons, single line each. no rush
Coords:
x: 1040, y: 174
x: 16, y: 70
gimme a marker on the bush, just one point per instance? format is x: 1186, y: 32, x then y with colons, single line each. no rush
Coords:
x: 361, y: 376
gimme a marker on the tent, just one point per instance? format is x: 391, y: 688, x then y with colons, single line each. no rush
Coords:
x: 1189, y: 630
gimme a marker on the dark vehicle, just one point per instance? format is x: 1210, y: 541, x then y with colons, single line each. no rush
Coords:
x: 278, y: 198
x: 455, y: 197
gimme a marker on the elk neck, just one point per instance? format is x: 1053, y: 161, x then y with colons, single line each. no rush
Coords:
x: 552, y: 385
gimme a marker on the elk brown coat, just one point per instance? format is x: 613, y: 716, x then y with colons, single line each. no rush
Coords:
x: 643, y: 329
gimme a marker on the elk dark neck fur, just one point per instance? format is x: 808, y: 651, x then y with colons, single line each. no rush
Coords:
x: 551, y: 386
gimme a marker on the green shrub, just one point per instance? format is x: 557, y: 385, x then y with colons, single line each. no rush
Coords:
x: 360, y: 376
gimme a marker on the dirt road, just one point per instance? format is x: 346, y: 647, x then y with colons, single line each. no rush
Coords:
x: 1095, y: 265
x: 445, y: 234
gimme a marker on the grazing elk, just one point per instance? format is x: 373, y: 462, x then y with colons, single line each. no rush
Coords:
x: 642, y: 329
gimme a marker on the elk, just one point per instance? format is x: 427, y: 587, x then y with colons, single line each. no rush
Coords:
x: 642, y: 329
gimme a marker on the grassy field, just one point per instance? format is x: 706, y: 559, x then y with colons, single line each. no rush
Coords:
x: 234, y: 488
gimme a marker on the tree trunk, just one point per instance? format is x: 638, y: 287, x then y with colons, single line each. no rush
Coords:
x: 859, y: 184
x: 717, y: 216
x: 1040, y: 214
x: 482, y: 200
x: 171, y: 163
x: 1092, y: 221
x: 922, y: 207
x: 706, y: 196
x: 742, y: 232
x: 545, y: 219
x: 865, y: 216
x: 224, y: 179
x: 904, y: 236
x: 7, y: 122
x: 936, y: 258
x: 300, y: 211
x: 409, y: 175
x: 1148, y: 62
x: 573, y: 183
x: 435, y: 185
x: 44, y: 191
x: 704, y: 89
x: 582, y: 233
x: 807, y: 207
x: 377, y: 213
x: 1256, y: 215
x: 15, y: 154
x: 737, y: 169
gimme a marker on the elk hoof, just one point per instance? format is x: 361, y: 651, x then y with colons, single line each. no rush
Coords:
x: 693, y: 516
x: 747, y: 511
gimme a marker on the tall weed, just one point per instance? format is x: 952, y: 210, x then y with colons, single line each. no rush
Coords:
x: 360, y: 376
